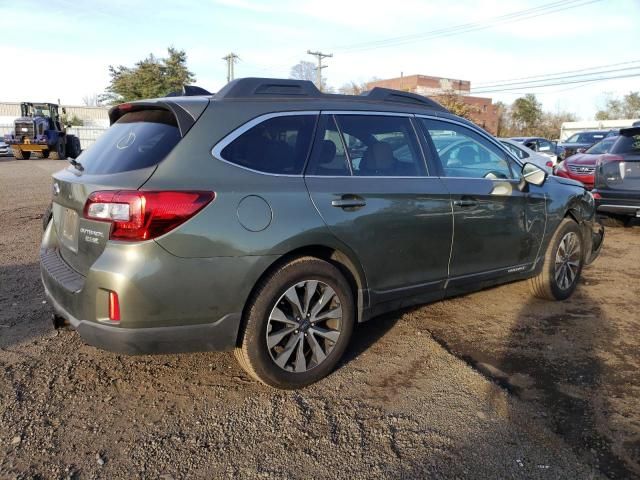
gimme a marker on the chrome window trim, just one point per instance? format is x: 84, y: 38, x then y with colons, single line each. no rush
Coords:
x: 216, y: 151
x: 372, y: 176
x: 366, y: 112
x: 477, y: 130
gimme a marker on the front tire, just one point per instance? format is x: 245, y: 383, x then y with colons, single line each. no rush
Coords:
x: 58, y: 151
x: 297, y: 324
x: 562, y: 264
x: 21, y: 155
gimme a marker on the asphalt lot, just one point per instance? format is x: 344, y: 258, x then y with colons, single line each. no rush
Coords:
x: 491, y: 385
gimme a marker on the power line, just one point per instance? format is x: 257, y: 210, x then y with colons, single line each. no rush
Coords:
x: 320, y: 56
x: 496, y: 83
x: 542, y: 82
x: 517, y: 16
x: 632, y: 75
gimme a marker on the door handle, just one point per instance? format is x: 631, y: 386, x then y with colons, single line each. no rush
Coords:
x: 349, y: 201
x: 465, y: 202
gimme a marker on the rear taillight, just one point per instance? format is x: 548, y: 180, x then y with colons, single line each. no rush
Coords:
x: 611, y: 169
x: 549, y: 164
x: 138, y: 215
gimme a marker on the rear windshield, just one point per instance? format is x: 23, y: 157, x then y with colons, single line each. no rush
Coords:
x: 586, y: 137
x: 602, y: 147
x: 628, y: 144
x: 137, y: 140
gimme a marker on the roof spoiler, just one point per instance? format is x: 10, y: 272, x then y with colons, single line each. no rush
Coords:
x: 630, y: 131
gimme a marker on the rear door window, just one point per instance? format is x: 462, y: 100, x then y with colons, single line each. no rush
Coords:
x: 137, y: 140
x: 278, y: 145
x: 380, y: 145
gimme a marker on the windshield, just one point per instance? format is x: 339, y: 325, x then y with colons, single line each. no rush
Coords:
x: 38, y: 111
x: 586, y: 137
x: 602, y: 147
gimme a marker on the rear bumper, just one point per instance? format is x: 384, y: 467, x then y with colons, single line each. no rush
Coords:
x: 168, y: 304
x: 219, y: 335
x: 630, y: 207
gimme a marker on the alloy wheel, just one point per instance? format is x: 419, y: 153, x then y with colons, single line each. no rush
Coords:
x: 304, y: 326
x: 568, y: 258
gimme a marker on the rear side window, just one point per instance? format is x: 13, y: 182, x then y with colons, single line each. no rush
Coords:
x: 278, y: 145
x: 137, y: 140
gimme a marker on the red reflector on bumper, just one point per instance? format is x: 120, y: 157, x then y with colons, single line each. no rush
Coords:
x: 114, y: 307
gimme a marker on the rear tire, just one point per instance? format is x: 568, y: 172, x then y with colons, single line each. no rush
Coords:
x: 58, y: 151
x: 297, y: 324
x: 21, y: 155
x: 562, y: 264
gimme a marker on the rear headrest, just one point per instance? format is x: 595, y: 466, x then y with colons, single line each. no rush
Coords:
x: 327, y: 152
x: 379, y: 156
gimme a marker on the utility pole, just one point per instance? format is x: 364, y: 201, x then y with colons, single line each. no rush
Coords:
x: 319, y: 68
x: 231, y: 61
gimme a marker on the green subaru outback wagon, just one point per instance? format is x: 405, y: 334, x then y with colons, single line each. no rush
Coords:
x: 270, y: 218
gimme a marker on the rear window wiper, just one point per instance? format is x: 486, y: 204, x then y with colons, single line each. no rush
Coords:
x: 76, y: 164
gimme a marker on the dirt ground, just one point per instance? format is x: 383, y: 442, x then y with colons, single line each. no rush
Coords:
x: 491, y: 385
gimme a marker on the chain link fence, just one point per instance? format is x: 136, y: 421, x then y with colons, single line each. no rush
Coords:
x: 87, y: 135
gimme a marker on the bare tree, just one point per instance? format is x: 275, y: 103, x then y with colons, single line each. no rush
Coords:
x: 303, y: 71
x: 91, y: 100
x: 353, y: 88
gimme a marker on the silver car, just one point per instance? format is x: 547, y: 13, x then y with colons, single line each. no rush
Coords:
x: 526, y: 154
x: 4, y: 149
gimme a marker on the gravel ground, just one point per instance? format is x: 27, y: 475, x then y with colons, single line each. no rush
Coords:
x: 402, y: 405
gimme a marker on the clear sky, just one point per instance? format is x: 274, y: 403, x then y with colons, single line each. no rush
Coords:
x: 62, y: 48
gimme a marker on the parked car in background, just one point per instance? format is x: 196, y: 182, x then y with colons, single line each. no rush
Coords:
x: 580, y: 142
x: 527, y: 155
x: 541, y: 146
x: 5, y: 149
x: 617, y: 177
x: 581, y: 166
x: 270, y: 218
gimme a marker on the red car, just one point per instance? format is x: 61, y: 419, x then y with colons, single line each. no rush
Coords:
x: 582, y: 166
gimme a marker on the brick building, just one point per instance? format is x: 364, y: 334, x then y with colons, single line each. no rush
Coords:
x: 483, y: 113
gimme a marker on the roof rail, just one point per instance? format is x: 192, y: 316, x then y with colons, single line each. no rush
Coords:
x: 250, y: 87
x: 396, y: 96
x: 190, y: 91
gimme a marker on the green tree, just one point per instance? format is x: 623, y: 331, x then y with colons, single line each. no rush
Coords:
x: 504, y: 120
x: 149, y: 78
x: 526, y: 115
x: 618, y: 108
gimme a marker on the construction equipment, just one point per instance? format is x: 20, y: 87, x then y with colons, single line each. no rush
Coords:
x: 40, y: 131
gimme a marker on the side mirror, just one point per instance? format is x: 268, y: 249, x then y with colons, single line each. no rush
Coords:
x: 533, y: 174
